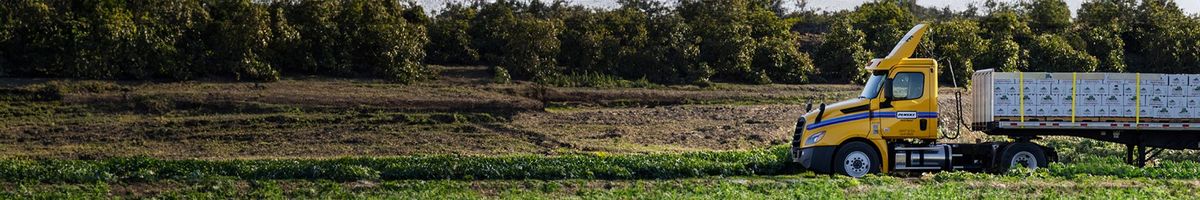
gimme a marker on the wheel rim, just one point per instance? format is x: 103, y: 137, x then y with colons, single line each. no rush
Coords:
x: 1024, y: 159
x: 857, y: 164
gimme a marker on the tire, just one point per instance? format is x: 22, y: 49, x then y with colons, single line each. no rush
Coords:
x: 856, y: 159
x: 1025, y: 154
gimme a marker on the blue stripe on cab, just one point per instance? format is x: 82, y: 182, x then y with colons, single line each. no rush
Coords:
x: 865, y: 115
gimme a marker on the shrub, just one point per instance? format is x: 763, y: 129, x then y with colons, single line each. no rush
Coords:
x: 500, y: 75
x: 957, y: 44
x: 382, y: 42
x: 781, y: 60
x: 50, y: 92
x: 531, y: 48
x: 1052, y: 53
x: 842, y: 55
x: 237, y: 37
x: 725, y: 44
x: 449, y: 41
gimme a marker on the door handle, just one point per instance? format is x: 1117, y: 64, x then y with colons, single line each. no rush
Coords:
x: 923, y: 124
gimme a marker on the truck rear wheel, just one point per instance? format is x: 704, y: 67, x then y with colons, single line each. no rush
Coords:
x: 856, y: 159
x: 1021, y: 154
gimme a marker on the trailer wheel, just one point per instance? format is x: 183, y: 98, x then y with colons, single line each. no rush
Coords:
x: 1021, y: 154
x: 856, y: 159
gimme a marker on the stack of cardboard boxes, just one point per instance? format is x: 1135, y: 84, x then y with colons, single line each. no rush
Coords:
x: 1099, y: 97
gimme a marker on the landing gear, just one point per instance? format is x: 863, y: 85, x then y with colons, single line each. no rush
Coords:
x: 1140, y: 158
x: 856, y: 159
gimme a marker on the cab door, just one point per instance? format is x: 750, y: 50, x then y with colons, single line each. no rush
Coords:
x: 906, y: 108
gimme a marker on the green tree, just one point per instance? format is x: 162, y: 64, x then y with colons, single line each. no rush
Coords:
x: 1106, y: 45
x: 1113, y: 14
x: 1158, y: 33
x: 32, y: 39
x: 449, y: 41
x: 882, y: 23
x: 382, y: 42
x: 7, y: 23
x: 285, y: 46
x: 1049, y: 16
x: 317, y: 46
x: 1004, y: 24
x: 237, y: 36
x: 531, y: 48
x: 671, y: 54
x: 169, y: 42
x: 1005, y: 31
x: 958, y: 44
x: 488, y: 30
x: 1052, y: 53
x: 1103, y: 22
x: 629, y: 28
x: 1002, y: 54
x: 780, y: 58
x: 842, y: 56
x: 725, y: 44
x: 585, y: 40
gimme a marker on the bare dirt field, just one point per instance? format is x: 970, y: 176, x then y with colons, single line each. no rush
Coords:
x: 461, y: 113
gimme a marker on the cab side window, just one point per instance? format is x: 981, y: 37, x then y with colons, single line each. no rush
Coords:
x: 908, y: 86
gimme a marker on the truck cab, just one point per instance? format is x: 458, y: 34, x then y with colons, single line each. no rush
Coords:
x: 873, y: 132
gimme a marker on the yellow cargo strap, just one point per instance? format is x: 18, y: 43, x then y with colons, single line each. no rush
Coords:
x: 1021, y: 97
x: 1074, y: 78
x: 1137, y: 103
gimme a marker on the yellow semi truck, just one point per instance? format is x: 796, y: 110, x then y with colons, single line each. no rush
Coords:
x: 893, y: 124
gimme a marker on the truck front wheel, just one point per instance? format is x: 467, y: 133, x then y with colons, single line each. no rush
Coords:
x: 856, y: 159
x: 1021, y: 154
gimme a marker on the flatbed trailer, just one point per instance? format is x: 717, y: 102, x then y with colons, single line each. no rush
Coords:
x: 1135, y: 131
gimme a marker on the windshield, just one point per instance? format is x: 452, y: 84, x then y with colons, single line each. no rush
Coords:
x: 871, y: 90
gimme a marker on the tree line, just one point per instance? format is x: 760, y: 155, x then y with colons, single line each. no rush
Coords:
x: 189, y: 39
x: 680, y: 42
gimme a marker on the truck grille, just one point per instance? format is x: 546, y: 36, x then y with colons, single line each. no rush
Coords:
x: 798, y: 135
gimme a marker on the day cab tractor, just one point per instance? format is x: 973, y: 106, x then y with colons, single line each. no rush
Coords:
x: 873, y: 133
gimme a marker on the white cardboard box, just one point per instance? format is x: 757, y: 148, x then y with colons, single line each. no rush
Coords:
x: 1192, y: 102
x: 1127, y: 111
x: 1129, y: 87
x: 1128, y: 101
x: 1146, y: 112
x: 1152, y: 100
x: 1194, y: 91
x: 1178, y: 91
x: 1090, y: 86
x: 1179, y: 113
x: 1089, y: 100
x: 1001, y: 111
x: 1177, y: 79
x: 1161, y: 112
x: 1176, y: 102
x: 1085, y: 111
x: 1106, y: 111
x: 1005, y: 100
x: 1112, y: 99
x: 1006, y: 86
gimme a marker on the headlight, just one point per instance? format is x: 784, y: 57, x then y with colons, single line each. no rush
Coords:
x: 814, y: 138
